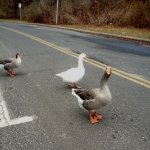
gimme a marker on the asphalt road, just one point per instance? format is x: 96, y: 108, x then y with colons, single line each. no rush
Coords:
x: 59, y: 123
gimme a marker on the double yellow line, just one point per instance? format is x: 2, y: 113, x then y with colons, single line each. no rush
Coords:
x: 116, y: 71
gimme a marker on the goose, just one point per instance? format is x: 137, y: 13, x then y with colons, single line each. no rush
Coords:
x: 92, y: 100
x: 11, y: 63
x: 73, y: 75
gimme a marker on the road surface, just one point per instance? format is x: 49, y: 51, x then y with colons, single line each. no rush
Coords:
x: 37, y: 111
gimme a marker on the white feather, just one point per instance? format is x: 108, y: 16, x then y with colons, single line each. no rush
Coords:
x: 1, y: 67
x: 74, y: 75
x: 80, y: 101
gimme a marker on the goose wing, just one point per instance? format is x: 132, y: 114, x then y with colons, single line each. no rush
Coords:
x: 69, y: 72
x: 91, y: 101
x: 85, y: 94
x: 5, y: 61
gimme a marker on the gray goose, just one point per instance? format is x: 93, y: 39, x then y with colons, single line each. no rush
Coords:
x: 92, y: 100
x: 11, y: 63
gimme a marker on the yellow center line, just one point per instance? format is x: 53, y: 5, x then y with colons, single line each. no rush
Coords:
x: 93, y: 62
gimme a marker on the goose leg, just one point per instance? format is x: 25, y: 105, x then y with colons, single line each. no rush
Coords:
x: 10, y: 73
x: 77, y: 86
x: 92, y: 118
x: 13, y: 73
x: 70, y: 85
x: 98, y: 117
x: 74, y: 85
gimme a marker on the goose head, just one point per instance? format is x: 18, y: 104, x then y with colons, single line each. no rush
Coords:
x: 107, y: 72
x: 18, y: 59
x: 17, y: 55
x: 82, y: 55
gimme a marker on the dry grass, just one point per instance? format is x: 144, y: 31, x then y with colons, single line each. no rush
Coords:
x: 123, y: 31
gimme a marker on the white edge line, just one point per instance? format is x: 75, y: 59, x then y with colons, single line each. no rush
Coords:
x: 8, y: 121
x: 17, y: 121
x: 22, y: 120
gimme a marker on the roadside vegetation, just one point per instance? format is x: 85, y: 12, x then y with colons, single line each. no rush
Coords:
x: 110, y: 16
x: 115, y: 30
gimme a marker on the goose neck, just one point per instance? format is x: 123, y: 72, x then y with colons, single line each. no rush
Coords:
x: 18, y: 60
x: 80, y: 63
x: 104, y: 80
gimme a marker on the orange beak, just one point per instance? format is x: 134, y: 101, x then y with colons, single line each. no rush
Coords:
x: 87, y: 56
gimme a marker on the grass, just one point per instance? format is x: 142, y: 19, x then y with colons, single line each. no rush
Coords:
x: 110, y: 29
x: 123, y: 31
x: 14, y: 20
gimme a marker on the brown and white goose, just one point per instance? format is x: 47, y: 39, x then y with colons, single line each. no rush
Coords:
x: 11, y: 63
x: 92, y: 100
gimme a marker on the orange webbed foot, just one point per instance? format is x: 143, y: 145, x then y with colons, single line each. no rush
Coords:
x: 98, y: 117
x: 92, y: 118
x: 13, y: 73
x: 10, y: 74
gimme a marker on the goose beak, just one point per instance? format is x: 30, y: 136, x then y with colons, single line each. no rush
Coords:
x: 87, y: 56
x: 108, y: 70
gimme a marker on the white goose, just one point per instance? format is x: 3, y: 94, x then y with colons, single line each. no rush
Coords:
x: 11, y: 63
x: 93, y: 99
x: 73, y: 75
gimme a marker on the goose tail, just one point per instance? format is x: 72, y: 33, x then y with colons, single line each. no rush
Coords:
x: 1, y: 67
x: 74, y: 93
x: 59, y: 74
x: 80, y: 101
